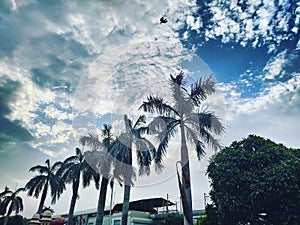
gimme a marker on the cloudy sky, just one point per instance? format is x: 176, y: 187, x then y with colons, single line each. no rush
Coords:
x: 68, y: 67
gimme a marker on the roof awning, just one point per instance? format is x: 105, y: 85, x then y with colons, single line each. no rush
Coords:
x: 145, y: 205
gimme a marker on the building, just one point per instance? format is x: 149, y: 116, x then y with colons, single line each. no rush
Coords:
x: 141, y: 212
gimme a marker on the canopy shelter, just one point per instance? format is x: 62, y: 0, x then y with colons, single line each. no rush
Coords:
x: 145, y: 205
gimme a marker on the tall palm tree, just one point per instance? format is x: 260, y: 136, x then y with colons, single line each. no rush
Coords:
x: 195, y: 125
x: 103, y: 163
x: 72, y: 169
x: 121, y: 150
x: 12, y: 201
x: 47, y: 178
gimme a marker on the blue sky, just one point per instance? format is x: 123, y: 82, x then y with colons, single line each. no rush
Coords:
x: 67, y: 67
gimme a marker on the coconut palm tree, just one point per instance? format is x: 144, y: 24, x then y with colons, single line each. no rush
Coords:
x: 121, y: 150
x: 46, y: 179
x: 72, y: 169
x: 12, y: 201
x: 195, y: 125
x: 103, y: 163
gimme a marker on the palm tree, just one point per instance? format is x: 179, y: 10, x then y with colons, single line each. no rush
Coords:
x: 103, y: 163
x: 12, y: 201
x: 196, y: 125
x: 121, y: 150
x: 48, y: 178
x: 71, y: 170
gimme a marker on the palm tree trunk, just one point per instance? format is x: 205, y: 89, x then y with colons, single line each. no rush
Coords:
x: 8, y: 214
x: 73, y: 200
x: 125, y: 208
x: 186, y: 180
x: 43, y: 198
x: 101, y: 201
x: 111, y: 199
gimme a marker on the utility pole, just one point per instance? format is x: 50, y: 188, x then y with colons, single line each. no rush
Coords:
x: 167, y: 202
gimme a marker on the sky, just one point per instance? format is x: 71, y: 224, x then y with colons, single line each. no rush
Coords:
x: 68, y: 67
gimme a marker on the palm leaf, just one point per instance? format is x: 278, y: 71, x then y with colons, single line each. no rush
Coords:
x: 40, y: 169
x: 91, y: 140
x: 202, y: 88
x: 157, y: 105
x: 141, y: 120
x: 193, y: 138
x: 163, y: 134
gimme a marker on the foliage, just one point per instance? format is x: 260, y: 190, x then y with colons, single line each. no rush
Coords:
x: 257, y: 181
x: 15, y: 220
x: 46, y: 179
x: 174, y: 219
x: 200, y: 221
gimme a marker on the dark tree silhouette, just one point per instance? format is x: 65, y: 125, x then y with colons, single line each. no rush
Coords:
x: 48, y: 178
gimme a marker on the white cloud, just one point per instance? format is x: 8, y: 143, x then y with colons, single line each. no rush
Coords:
x: 256, y: 24
x: 275, y: 66
x: 273, y: 114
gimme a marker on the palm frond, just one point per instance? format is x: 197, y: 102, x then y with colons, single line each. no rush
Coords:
x: 47, y: 163
x: 145, y: 153
x: 193, y: 138
x: 18, y: 204
x: 141, y: 130
x: 121, y: 149
x: 79, y: 154
x: 71, y: 159
x: 107, y: 135
x: 5, y: 192
x: 89, y: 174
x: 40, y: 169
x: 179, y: 94
x: 57, y: 186
x: 208, y: 138
x: 35, y: 185
x: 106, y: 131
x: 202, y: 88
x: 158, y: 105
x: 128, y: 124
x: 91, y: 140
x: 179, y: 79
x: 164, y: 136
x: 141, y: 120
x: 206, y: 120
x: 56, y: 166
x: 19, y: 190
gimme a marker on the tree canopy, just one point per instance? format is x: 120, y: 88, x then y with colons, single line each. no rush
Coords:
x: 255, y: 180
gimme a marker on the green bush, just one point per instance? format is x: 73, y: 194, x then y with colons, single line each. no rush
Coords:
x: 15, y: 220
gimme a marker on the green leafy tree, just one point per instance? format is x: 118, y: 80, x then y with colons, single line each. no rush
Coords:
x: 121, y: 150
x: 174, y: 219
x: 72, y: 169
x: 11, y: 202
x: 102, y: 162
x: 255, y: 181
x: 15, y: 220
x: 196, y: 126
x: 46, y: 179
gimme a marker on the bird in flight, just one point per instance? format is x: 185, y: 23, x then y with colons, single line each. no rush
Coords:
x: 163, y: 20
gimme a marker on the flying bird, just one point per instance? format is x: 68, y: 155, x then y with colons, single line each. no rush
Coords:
x: 163, y: 20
